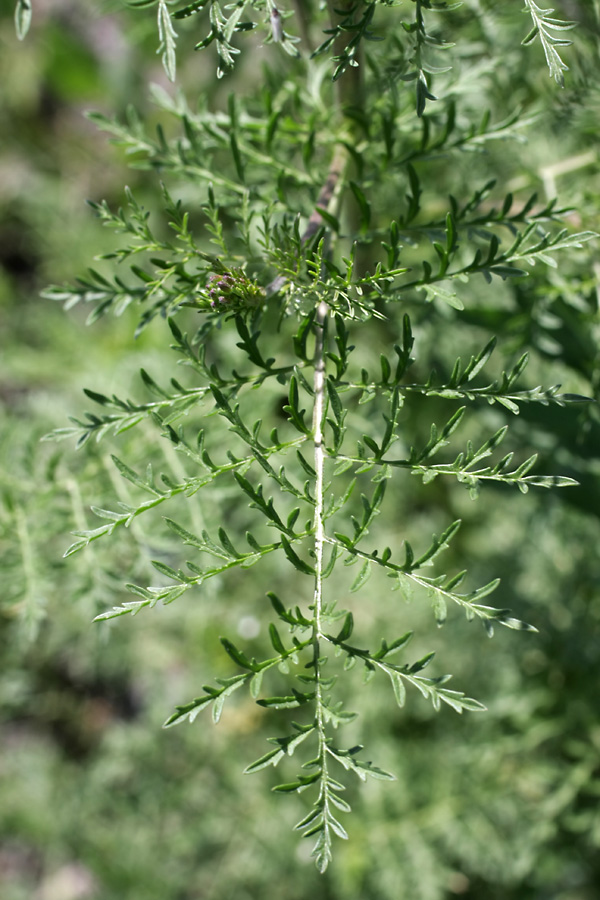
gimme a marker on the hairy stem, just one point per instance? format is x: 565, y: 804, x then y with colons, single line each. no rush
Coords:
x: 319, y: 523
x: 319, y: 457
x: 348, y: 94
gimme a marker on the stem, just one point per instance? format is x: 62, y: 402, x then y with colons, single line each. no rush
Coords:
x: 348, y: 94
x: 319, y: 523
x: 319, y: 457
x: 349, y: 87
x: 303, y: 20
x: 328, y: 199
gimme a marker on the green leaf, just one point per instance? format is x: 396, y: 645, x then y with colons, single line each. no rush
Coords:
x: 330, y: 219
x: 189, y: 711
x: 362, y: 577
x: 269, y: 759
x: 288, y: 788
x: 347, y: 629
x: 303, y: 782
x: 288, y: 702
x: 440, y: 608
x: 23, y: 14
x: 421, y: 663
x: 256, y: 684
x: 364, y: 205
x: 167, y: 37
x: 190, y: 9
x: 236, y: 655
x: 295, y: 560
x: 278, y: 644
x: 399, y: 688
x: 334, y: 399
x: 133, y: 477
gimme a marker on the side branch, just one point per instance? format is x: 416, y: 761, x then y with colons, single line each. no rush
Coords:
x: 326, y: 197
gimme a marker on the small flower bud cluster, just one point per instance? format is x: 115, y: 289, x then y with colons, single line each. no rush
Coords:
x: 221, y: 286
x: 233, y: 291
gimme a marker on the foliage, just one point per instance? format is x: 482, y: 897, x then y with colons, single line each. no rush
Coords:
x: 317, y: 289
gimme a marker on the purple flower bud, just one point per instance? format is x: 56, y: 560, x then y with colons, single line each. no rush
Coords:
x: 213, y: 304
x: 212, y: 293
x: 222, y: 299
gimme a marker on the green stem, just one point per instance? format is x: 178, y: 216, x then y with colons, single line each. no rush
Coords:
x: 303, y: 20
x: 350, y: 86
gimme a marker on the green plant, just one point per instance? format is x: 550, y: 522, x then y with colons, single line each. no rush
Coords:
x: 316, y: 280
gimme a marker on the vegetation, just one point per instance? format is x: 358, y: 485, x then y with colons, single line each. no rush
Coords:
x: 349, y: 234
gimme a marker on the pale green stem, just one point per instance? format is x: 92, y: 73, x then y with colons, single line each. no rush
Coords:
x: 348, y: 93
x: 319, y: 521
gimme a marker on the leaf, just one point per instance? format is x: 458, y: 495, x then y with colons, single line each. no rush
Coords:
x: 236, y: 655
x: 373, y: 771
x: 23, y: 15
x: 289, y: 702
x: 440, y: 608
x: 337, y: 827
x: 255, y: 684
x: 288, y: 788
x: 399, y: 688
x: 167, y: 37
x: 303, y: 782
x: 347, y: 629
x: 190, y: 9
x: 269, y: 759
x: 217, y: 709
x: 133, y: 477
x: 213, y: 695
x: 482, y: 592
x: 421, y: 663
x: 362, y: 577
x: 309, y: 819
x: 435, y: 291
x: 334, y: 399
x: 189, y: 711
x: 543, y: 25
x: 331, y: 220
x: 295, y: 560
x: 364, y: 205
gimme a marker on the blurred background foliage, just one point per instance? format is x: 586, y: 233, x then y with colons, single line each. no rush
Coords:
x: 96, y: 801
